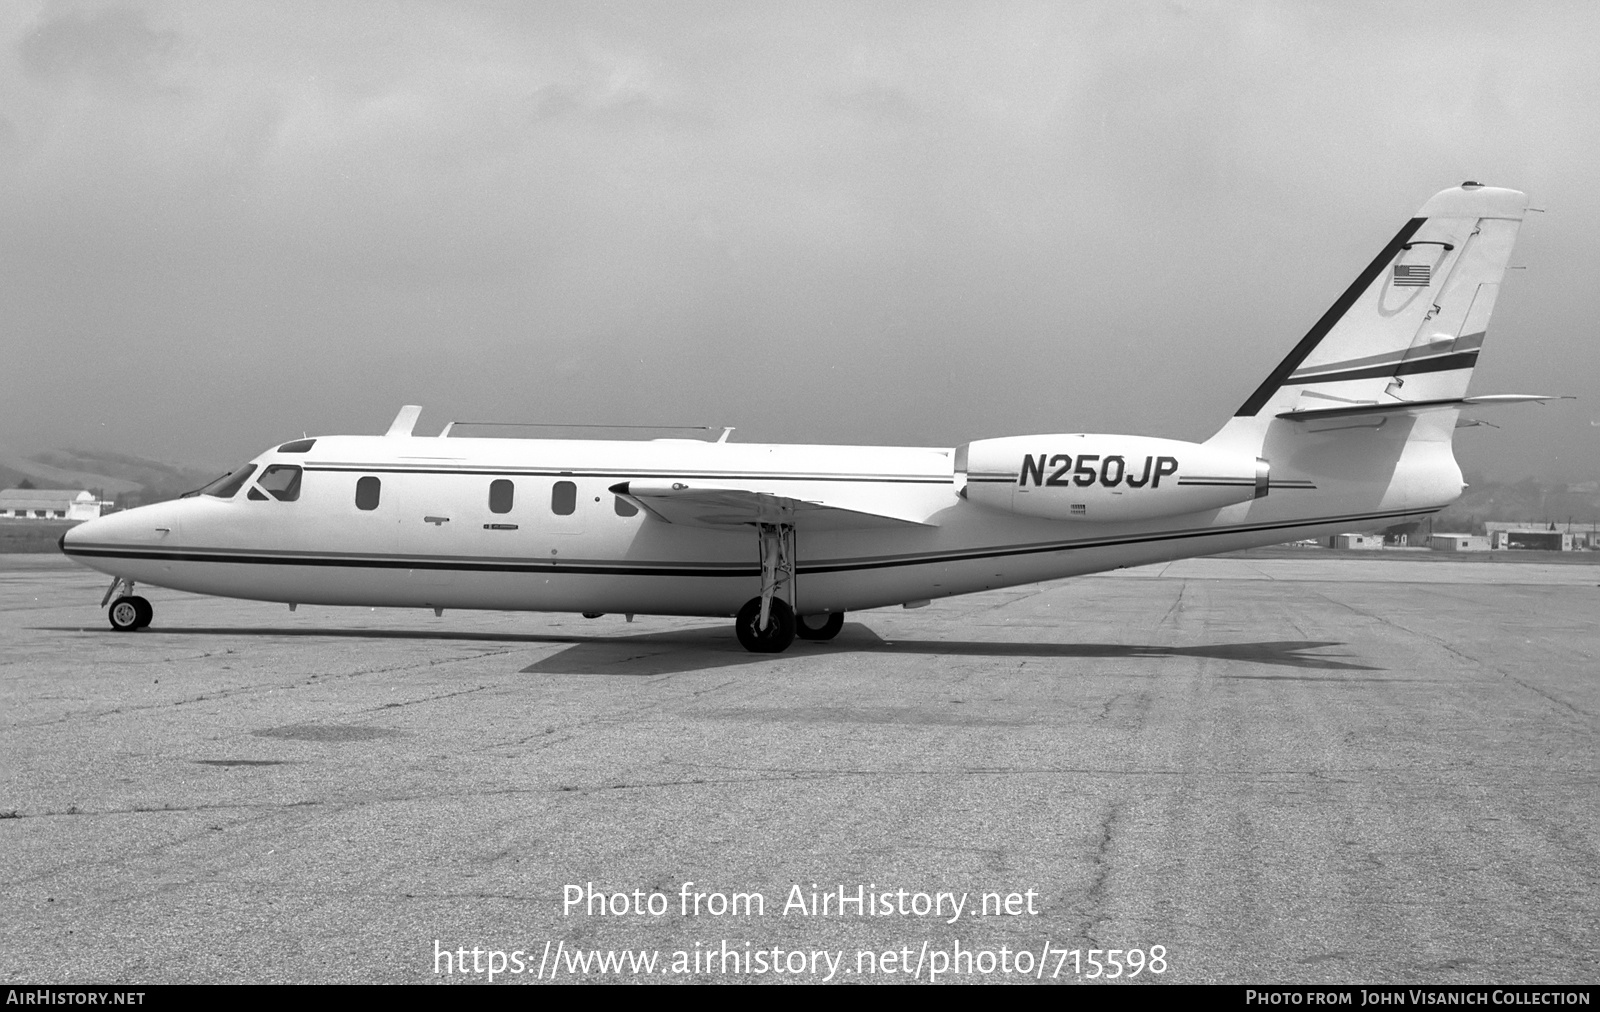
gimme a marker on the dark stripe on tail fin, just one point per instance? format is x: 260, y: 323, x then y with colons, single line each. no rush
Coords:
x: 1335, y: 312
x: 1439, y: 363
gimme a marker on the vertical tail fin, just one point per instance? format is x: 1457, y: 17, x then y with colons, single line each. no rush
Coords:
x: 1409, y: 328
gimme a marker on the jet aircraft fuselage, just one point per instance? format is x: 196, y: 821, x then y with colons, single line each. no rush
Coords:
x: 1352, y: 430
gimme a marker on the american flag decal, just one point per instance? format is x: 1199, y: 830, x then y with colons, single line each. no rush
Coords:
x: 1412, y: 275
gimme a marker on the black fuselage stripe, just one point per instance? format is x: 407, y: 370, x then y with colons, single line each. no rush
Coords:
x: 1243, y: 482
x: 711, y: 570
x: 1334, y: 314
x: 630, y: 475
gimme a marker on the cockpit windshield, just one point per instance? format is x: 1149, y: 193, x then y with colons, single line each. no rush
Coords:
x: 228, y: 485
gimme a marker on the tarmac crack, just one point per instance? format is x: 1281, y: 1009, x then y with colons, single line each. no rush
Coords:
x: 73, y: 811
x: 253, y: 689
x: 1439, y: 641
x: 1176, y: 608
x: 1100, y: 873
x: 424, y: 699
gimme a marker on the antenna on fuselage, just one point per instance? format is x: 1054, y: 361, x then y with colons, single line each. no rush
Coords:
x: 405, y: 421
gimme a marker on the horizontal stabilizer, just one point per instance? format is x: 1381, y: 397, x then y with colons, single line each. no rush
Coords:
x: 725, y: 506
x: 1414, y: 407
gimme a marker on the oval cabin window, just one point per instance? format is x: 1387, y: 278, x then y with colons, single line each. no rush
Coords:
x: 501, y: 492
x: 367, y: 490
x: 563, y: 498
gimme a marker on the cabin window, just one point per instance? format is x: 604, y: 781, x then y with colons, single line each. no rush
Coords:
x: 626, y: 508
x: 501, y: 493
x: 563, y: 498
x: 229, y: 484
x: 281, y: 481
x: 298, y: 446
x: 367, y: 493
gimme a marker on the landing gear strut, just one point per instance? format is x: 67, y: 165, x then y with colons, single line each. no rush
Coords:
x: 765, y: 625
x: 128, y: 612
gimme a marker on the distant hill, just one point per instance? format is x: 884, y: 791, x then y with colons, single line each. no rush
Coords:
x: 114, y: 475
x: 1540, y: 502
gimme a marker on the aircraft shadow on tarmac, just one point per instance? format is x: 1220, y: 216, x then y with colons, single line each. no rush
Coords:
x: 714, y: 647
x: 680, y: 650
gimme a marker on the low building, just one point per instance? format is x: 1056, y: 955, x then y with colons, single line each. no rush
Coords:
x: 48, y: 504
x: 1539, y: 535
x: 1538, y: 539
x: 1356, y: 541
x: 1459, y: 543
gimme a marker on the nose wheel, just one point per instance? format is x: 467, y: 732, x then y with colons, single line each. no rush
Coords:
x: 129, y: 613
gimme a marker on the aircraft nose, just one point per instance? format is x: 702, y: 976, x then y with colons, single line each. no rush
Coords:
x: 146, y: 525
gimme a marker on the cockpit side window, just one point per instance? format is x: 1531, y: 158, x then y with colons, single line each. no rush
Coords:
x: 229, y: 484
x: 281, y: 481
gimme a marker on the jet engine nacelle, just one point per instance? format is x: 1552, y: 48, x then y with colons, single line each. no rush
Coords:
x: 1105, y: 478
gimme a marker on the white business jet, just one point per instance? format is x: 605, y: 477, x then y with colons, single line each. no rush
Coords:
x: 1352, y: 430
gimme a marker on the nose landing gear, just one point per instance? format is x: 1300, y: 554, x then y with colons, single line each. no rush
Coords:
x: 129, y: 612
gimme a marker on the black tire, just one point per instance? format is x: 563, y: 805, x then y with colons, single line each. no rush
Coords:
x: 129, y: 613
x: 827, y: 630
x: 778, y: 634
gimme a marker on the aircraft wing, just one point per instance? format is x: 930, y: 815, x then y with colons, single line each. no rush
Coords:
x: 700, y: 505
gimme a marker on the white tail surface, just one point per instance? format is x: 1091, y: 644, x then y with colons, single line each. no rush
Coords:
x: 1407, y: 332
x: 1410, y: 327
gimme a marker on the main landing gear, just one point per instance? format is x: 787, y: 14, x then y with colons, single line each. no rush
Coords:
x: 768, y: 624
x: 129, y: 612
x: 819, y: 627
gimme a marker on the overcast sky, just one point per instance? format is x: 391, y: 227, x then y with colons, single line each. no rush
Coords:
x: 225, y: 224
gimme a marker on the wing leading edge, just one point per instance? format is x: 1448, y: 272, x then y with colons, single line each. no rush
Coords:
x: 722, y: 506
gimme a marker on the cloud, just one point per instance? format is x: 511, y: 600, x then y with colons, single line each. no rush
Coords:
x: 1058, y: 216
x: 114, y: 47
x: 876, y: 102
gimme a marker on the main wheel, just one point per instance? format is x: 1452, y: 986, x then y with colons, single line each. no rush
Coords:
x: 778, y: 634
x: 130, y: 613
x: 819, y: 627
